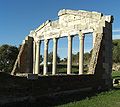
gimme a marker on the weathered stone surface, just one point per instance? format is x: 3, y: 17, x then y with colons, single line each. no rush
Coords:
x: 24, y: 61
x: 71, y: 22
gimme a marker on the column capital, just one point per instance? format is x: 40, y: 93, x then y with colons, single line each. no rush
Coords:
x: 81, y: 35
x: 33, y: 33
x: 38, y: 42
x: 55, y: 39
x: 46, y: 41
x: 70, y: 37
x: 36, y: 39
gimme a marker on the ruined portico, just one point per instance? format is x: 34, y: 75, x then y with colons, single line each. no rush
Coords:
x: 69, y: 24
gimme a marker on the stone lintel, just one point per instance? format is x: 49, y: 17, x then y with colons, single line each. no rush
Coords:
x: 57, y: 33
x: 86, y: 31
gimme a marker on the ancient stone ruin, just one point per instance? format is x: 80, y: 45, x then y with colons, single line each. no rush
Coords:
x: 70, y: 23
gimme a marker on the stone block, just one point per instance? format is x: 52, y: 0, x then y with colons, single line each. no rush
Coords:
x: 32, y: 76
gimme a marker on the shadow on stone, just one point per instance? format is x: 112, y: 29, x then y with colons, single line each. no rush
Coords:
x: 51, y: 101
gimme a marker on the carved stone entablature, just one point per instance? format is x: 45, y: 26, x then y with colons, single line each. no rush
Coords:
x: 72, y: 21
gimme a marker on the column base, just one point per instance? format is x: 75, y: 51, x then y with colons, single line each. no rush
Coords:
x: 45, y: 71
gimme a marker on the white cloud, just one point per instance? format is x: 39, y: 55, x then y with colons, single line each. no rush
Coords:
x: 116, y: 36
x: 116, y: 30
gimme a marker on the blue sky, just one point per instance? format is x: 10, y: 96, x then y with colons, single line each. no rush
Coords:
x: 18, y: 17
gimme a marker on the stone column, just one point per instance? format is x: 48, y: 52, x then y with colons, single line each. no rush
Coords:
x: 54, y: 67
x: 45, y: 56
x: 69, y: 61
x: 34, y: 55
x: 81, y: 53
x: 33, y: 34
x: 37, y: 59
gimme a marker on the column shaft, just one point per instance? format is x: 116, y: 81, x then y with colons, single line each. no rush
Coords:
x: 34, y: 55
x: 54, y: 67
x: 45, y: 56
x: 69, y: 61
x: 81, y: 54
x: 37, y: 59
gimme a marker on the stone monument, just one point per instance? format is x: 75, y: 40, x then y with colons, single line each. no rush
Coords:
x: 70, y: 23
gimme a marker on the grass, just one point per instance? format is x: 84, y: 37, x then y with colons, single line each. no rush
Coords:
x: 105, y: 99
x: 115, y: 74
x: 62, y: 68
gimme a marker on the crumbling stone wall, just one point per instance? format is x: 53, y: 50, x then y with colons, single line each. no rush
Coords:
x: 24, y: 61
x: 101, y: 61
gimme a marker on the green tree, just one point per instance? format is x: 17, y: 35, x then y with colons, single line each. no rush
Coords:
x: 8, y: 55
x: 116, y: 54
x: 116, y: 51
x: 75, y: 58
x: 41, y: 58
x: 87, y: 57
x: 50, y: 57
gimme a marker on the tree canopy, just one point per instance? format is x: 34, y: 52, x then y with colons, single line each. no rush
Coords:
x: 116, y: 51
x: 50, y: 57
x: 8, y: 55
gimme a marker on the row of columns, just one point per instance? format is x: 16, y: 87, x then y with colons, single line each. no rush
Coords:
x: 36, y: 55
